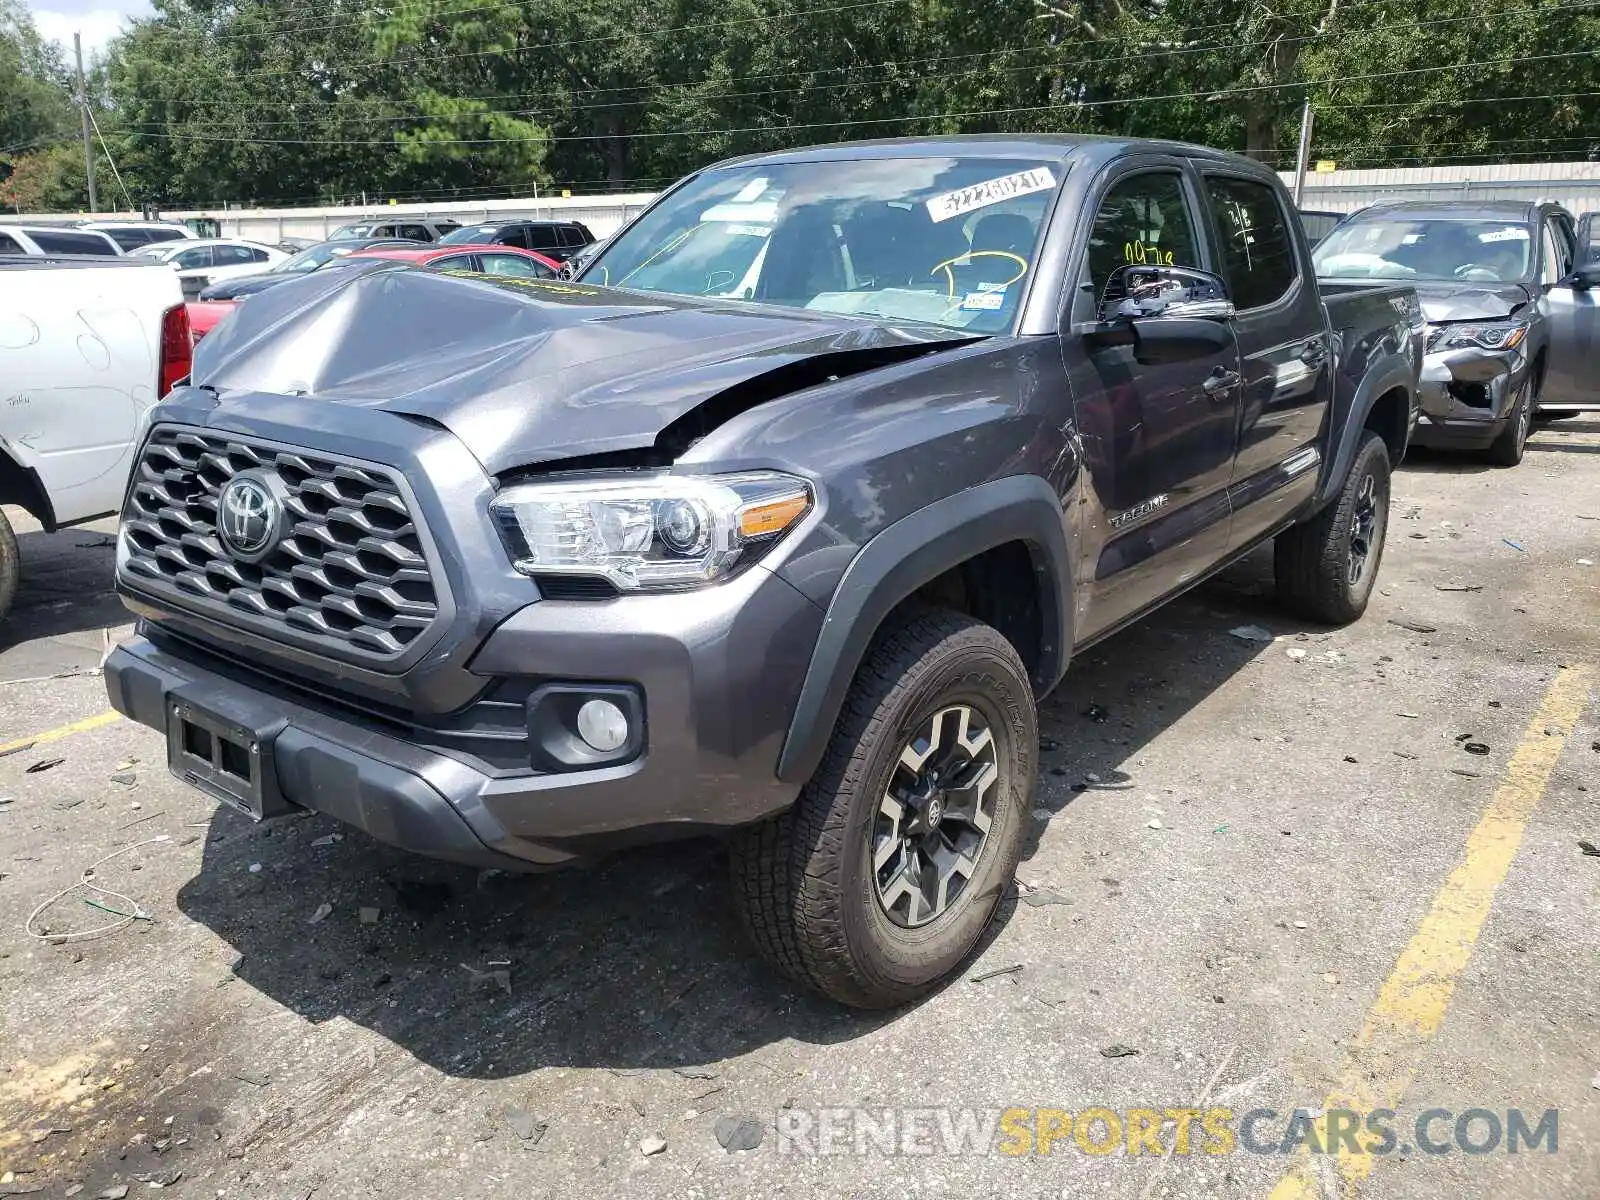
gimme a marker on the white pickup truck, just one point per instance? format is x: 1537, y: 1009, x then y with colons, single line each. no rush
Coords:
x: 87, y: 345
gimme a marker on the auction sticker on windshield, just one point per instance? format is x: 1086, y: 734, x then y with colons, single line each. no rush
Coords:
x: 991, y: 191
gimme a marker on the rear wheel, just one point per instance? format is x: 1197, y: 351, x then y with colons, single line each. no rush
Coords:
x: 10, y: 564
x: 1326, y: 567
x: 881, y: 879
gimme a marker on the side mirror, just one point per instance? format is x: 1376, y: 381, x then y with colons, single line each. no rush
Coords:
x: 1584, y: 278
x: 1167, y: 314
x: 1135, y: 292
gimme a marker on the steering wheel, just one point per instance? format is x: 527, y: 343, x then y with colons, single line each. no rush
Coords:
x: 948, y: 265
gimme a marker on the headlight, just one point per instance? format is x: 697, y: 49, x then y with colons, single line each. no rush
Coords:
x: 1499, y: 335
x: 650, y: 533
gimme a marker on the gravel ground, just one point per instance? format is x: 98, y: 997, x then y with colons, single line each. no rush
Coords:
x: 1233, y: 848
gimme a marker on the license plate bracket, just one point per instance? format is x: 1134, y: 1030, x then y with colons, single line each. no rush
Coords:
x: 227, y: 758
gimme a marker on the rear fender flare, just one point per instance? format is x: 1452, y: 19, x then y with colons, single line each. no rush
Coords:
x: 1388, y: 373
x: 905, y: 556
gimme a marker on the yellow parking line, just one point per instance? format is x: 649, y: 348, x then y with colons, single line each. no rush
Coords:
x: 1409, y: 1010
x: 55, y: 735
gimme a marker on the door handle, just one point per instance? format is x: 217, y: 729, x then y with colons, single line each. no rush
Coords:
x: 1220, y: 382
x: 1313, y: 354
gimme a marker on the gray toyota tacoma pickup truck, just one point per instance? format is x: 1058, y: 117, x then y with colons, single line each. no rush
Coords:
x: 774, y: 523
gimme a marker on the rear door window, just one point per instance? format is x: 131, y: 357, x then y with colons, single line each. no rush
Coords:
x: 71, y: 241
x: 1257, y: 247
x: 10, y: 245
x: 128, y: 239
x: 543, y: 237
x: 417, y: 233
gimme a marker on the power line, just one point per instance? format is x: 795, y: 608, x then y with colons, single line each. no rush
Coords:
x: 1209, y: 93
x: 559, y: 110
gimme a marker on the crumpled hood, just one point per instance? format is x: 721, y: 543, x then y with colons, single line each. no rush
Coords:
x: 522, y: 371
x: 1442, y: 302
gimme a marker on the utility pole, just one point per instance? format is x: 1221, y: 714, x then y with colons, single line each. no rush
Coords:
x: 1301, y: 159
x: 83, y: 113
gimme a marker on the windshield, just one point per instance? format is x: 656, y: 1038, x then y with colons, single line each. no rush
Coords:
x: 351, y: 231
x: 943, y: 240
x: 1471, y: 251
x: 468, y: 234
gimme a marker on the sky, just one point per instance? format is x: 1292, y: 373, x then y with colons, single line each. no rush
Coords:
x: 98, y: 20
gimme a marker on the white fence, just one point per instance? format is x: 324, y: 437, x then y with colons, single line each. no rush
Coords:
x: 1575, y: 185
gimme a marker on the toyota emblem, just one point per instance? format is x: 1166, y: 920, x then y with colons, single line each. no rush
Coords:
x: 248, y: 517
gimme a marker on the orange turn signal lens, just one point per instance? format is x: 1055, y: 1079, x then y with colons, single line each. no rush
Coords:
x: 773, y: 516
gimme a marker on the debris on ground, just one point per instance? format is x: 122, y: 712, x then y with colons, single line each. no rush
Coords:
x: 482, y: 980
x: 26, y: 746
x: 1097, y: 714
x: 1466, y: 774
x: 738, y: 1133
x: 125, y: 778
x: 162, y: 1179
x: 116, y: 1192
x: 1296, y: 653
x: 1300, y: 925
x: 693, y: 1073
x: 1154, y: 823
x: 253, y: 1078
x: 1251, y: 633
x: 45, y: 764
x: 1458, y: 587
x: 654, y: 1144
x: 369, y: 915
x: 1589, y: 848
x: 1475, y: 747
x: 1042, y: 897
x: 1330, y: 978
x: 1518, y: 546
x: 255, y: 868
x: 1350, y: 758
x: 1413, y: 626
x: 526, y: 1126
x: 1118, y: 1050
x: 327, y: 839
x: 324, y: 910
x: 1048, y: 744
x: 1013, y: 969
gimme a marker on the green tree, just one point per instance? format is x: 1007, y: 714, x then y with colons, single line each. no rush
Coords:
x: 35, y: 100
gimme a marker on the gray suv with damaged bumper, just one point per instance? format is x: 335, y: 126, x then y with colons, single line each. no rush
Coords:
x: 775, y: 523
x: 1512, y: 324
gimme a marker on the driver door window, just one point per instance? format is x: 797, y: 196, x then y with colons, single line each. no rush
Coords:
x: 1556, y: 263
x: 1143, y: 220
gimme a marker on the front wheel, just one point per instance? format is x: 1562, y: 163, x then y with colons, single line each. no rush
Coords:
x: 881, y: 879
x: 1326, y: 567
x: 1507, y: 449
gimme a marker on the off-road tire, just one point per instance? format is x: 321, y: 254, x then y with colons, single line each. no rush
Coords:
x: 1311, y: 561
x: 803, y: 882
x: 10, y: 565
x: 1507, y: 449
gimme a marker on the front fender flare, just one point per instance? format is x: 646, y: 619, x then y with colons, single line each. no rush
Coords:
x: 905, y: 556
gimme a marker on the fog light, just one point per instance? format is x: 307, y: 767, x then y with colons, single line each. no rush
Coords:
x: 603, y: 725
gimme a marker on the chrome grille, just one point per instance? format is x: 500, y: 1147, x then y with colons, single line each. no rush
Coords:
x: 349, y: 569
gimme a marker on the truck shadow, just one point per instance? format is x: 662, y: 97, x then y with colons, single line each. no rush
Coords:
x: 65, y: 588
x: 637, y: 962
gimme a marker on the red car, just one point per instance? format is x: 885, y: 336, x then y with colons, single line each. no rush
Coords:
x: 490, y: 260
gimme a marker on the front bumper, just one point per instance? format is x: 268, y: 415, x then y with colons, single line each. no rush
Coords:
x: 1466, y: 396
x: 719, y: 671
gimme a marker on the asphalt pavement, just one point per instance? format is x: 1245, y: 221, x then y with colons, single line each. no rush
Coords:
x: 1275, y: 868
